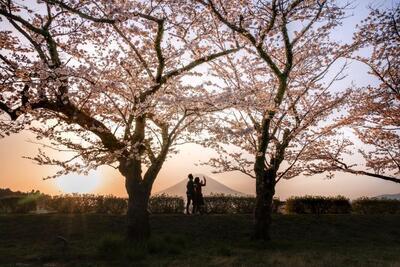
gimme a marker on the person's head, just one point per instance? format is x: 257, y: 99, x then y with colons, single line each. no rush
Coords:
x: 190, y: 176
x: 197, y: 180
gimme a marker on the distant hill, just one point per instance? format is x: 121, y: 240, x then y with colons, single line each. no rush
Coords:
x: 390, y: 196
x: 212, y: 187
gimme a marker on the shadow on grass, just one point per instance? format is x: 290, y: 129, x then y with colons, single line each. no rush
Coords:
x: 115, y: 247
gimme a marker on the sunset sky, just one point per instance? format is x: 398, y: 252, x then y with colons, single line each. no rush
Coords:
x: 21, y: 174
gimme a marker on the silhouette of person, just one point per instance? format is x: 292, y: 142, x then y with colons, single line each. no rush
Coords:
x: 198, y: 202
x: 190, y: 193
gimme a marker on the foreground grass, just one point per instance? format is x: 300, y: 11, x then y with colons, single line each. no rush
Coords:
x: 212, y: 240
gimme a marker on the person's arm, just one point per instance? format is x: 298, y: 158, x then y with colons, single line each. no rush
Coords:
x: 204, y: 182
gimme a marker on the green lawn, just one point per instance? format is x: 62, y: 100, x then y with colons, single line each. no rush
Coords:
x: 209, y: 240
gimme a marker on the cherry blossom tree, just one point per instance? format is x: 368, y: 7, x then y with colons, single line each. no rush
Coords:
x: 375, y: 110
x: 282, y: 94
x: 102, y: 80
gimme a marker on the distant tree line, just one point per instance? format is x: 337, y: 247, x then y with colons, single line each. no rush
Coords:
x: 7, y: 192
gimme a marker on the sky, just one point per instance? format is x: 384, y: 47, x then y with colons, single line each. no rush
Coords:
x: 22, y: 174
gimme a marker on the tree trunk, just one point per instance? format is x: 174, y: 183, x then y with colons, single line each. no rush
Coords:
x: 265, y: 188
x: 138, y: 216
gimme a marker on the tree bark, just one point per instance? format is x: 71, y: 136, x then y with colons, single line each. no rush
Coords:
x: 265, y: 188
x: 138, y: 224
x: 139, y: 191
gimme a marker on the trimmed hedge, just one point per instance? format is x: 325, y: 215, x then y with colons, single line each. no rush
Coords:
x: 166, y: 204
x: 215, y: 204
x: 221, y: 204
x: 74, y: 203
x: 318, y: 205
x: 85, y: 203
x: 366, y: 205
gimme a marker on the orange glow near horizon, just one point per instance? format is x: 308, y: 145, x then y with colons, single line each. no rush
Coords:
x: 21, y: 174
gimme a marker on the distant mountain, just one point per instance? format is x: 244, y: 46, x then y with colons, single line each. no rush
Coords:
x: 212, y: 187
x: 390, y: 196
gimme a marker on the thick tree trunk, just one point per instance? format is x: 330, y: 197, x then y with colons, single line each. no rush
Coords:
x: 138, y: 186
x: 138, y: 215
x: 139, y: 190
x: 138, y: 224
x: 265, y: 188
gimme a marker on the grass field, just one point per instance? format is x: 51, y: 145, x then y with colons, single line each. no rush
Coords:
x: 210, y: 240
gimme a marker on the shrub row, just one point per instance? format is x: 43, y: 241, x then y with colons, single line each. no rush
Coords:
x: 76, y: 203
x: 166, y: 204
x: 340, y: 204
x: 220, y: 204
x: 376, y: 206
x: 216, y: 204
x: 85, y: 203
x: 318, y: 205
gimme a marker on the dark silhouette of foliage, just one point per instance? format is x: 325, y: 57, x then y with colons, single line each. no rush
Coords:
x: 318, y: 205
x: 166, y: 204
x: 222, y: 204
x: 18, y: 202
x: 366, y: 205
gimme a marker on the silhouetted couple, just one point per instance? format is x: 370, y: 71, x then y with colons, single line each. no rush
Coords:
x: 194, y: 194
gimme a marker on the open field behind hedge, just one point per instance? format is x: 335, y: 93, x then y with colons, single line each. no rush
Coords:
x: 213, y: 240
